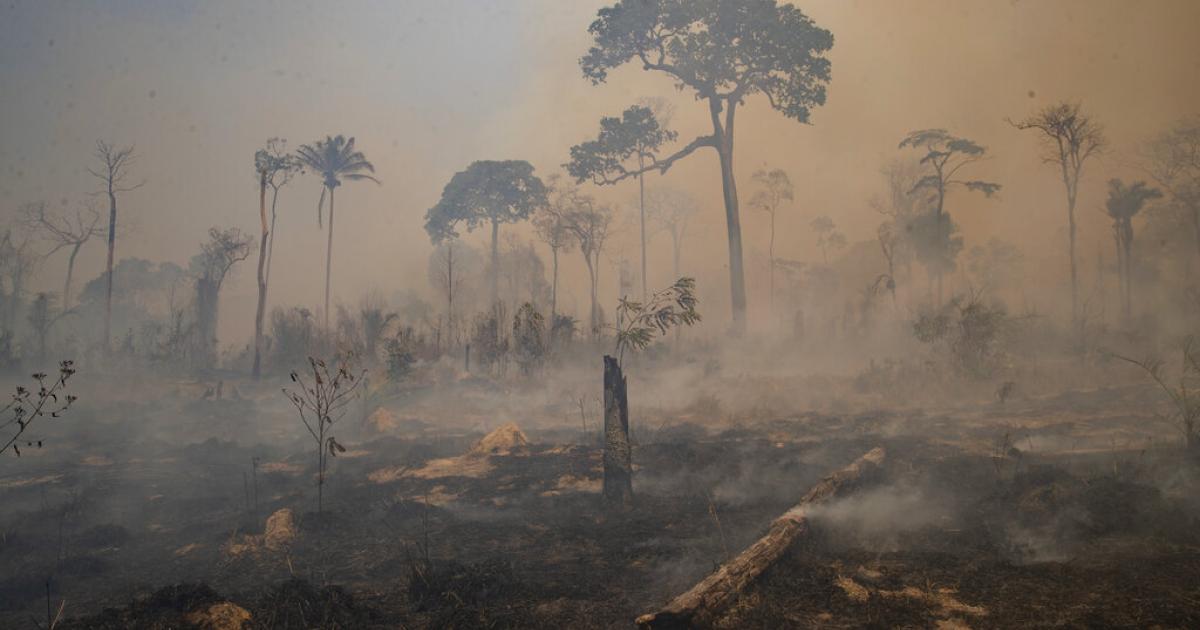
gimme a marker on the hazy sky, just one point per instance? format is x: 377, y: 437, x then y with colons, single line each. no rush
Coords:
x: 428, y: 87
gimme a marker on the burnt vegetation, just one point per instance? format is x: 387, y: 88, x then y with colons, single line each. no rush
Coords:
x: 531, y: 395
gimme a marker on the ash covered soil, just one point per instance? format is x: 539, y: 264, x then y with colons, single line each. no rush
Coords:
x: 1059, y: 511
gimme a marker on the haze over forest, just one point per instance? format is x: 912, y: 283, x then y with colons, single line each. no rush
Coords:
x: 520, y: 314
x: 428, y: 87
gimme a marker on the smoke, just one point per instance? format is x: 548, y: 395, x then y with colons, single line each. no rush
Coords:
x: 876, y: 519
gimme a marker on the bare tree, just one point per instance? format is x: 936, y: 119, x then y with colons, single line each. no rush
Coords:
x: 774, y: 188
x: 1173, y: 160
x: 321, y: 400
x: 113, y: 172
x: 450, y: 265
x: 1069, y: 138
x: 64, y: 231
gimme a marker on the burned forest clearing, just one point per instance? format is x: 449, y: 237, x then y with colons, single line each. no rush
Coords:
x: 1065, y: 509
x: 651, y: 314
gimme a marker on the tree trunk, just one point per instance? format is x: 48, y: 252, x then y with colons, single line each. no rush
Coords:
x: 495, y: 261
x: 1127, y: 261
x: 706, y: 600
x: 70, y: 274
x: 642, y: 208
x: 112, y: 247
x: 271, y: 240
x: 1074, y: 271
x: 207, y: 296
x: 737, y: 275
x: 260, y: 311
x: 554, y: 287
x: 771, y: 270
x: 449, y: 294
x: 618, y: 466
x: 942, y: 240
x: 592, y: 319
x: 329, y: 263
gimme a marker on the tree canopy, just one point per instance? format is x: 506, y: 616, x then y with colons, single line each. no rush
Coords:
x: 488, y: 191
x: 946, y: 154
x: 637, y: 134
x: 723, y: 49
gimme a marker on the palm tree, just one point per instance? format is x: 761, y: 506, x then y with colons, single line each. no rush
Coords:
x: 334, y: 158
x: 1124, y: 203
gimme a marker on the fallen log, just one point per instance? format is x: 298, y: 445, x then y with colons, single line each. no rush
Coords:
x: 701, y: 605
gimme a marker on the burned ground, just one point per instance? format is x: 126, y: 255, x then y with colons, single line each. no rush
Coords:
x: 1068, y: 510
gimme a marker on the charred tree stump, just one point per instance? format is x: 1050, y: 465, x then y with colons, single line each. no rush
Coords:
x: 704, y: 602
x: 618, y: 463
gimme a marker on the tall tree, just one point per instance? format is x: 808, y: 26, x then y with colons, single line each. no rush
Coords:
x: 334, y: 159
x: 17, y: 262
x: 774, y: 188
x: 901, y: 205
x: 113, y: 173
x: 550, y: 225
x: 1069, y: 139
x: 671, y: 210
x: 217, y: 256
x: 624, y: 147
x: 589, y: 222
x: 488, y: 191
x: 828, y: 235
x: 944, y: 156
x: 452, y: 265
x: 43, y: 315
x: 275, y: 167
x: 725, y: 51
x: 1174, y: 162
x: 69, y: 231
x: 1125, y: 202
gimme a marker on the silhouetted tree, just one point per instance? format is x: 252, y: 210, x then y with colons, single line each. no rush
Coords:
x: 551, y: 228
x: 1173, y: 159
x: 945, y: 155
x: 334, y: 159
x: 43, y: 315
x: 671, y: 210
x: 275, y: 168
x: 1069, y: 138
x: 1124, y: 203
x: 17, y: 263
x: 901, y: 205
x: 64, y: 231
x: 622, y: 149
x: 113, y: 172
x: 828, y: 236
x: 774, y: 188
x: 487, y: 191
x: 218, y: 255
x: 588, y: 223
x: 725, y: 51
